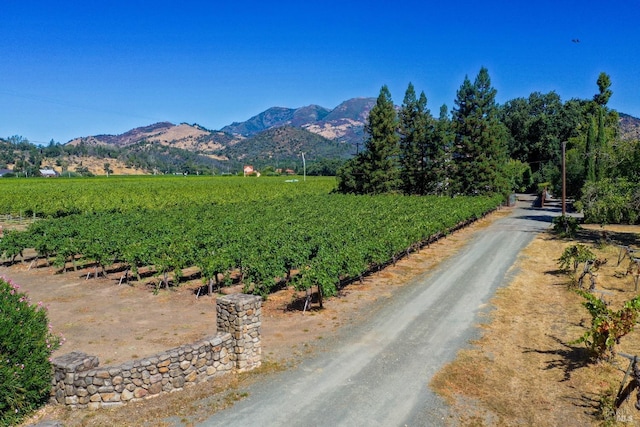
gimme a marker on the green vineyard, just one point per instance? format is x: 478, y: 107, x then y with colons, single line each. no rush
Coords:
x: 59, y: 197
x: 264, y: 233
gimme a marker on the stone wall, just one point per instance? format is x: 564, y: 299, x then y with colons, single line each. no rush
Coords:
x: 79, y: 382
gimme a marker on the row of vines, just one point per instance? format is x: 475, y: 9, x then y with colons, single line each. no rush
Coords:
x: 45, y: 197
x: 308, y: 239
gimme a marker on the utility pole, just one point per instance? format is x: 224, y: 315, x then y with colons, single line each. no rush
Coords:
x: 304, y: 168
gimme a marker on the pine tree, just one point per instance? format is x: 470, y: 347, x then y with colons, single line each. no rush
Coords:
x: 350, y: 177
x: 604, y: 93
x: 381, y: 173
x: 376, y: 169
x: 415, y: 130
x: 590, y: 152
x: 440, y: 155
x: 601, y: 147
x: 480, y: 151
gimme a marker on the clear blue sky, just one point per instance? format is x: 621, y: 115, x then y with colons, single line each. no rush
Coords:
x: 80, y: 68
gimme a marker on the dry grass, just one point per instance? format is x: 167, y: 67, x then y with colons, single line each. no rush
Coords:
x: 525, y: 370
x: 94, y: 165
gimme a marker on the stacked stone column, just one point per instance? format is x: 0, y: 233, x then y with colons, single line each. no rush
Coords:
x: 240, y: 315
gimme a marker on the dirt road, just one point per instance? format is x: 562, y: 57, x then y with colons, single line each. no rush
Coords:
x: 376, y: 371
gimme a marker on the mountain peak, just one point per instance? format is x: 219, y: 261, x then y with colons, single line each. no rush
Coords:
x: 278, y: 133
x: 317, y: 119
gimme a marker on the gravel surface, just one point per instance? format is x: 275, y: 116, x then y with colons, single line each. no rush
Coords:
x: 376, y: 371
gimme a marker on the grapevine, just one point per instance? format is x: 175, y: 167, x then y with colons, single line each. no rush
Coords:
x: 269, y: 240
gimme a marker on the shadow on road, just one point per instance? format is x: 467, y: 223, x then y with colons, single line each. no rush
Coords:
x: 541, y: 218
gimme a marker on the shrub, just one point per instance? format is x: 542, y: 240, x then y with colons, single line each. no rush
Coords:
x: 26, y: 344
x: 611, y: 202
x: 565, y: 226
x: 573, y: 256
x: 578, y: 206
x: 607, y: 325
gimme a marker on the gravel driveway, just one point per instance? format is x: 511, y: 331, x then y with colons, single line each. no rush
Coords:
x: 376, y: 372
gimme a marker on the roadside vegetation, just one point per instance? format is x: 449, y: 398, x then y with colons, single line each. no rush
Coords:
x: 552, y: 350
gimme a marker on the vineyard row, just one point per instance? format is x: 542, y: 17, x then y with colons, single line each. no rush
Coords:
x: 46, y: 198
x: 325, y: 239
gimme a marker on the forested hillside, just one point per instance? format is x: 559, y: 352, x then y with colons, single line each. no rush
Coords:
x: 283, y: 143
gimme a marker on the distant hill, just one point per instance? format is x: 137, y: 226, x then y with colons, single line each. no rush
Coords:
x: 277, y: 117
x: 184, y: 136
x: 286, y: 143
x: 356, y: 109
x: 629, y: 127
x: 282, y: 142
x: 131, y: 137
x: 275, y: 134
x: 344, y: 124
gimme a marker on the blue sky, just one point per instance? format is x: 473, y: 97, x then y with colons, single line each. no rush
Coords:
x: 80, y: 68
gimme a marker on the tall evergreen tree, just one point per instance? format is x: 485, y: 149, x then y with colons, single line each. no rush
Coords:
x: 590, y: 152
x: 381, y: 166
x: 480, y: 150
x: 601, y: 146
x: 601, y: 99
x: 604, y: 93
x: 375, y: 170
x: 601, y: 127
x: 440, y: 151
x: 350, y: 179
x: 415, y: 123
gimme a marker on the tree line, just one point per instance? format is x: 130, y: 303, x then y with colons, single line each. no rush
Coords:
x: 481, y: 147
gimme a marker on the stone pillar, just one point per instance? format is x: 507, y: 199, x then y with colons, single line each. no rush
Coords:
x: 240, y: 315
x: 64, y: 382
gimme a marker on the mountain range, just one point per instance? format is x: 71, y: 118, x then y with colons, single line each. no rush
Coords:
x: 275, y: 138
x: 277, y: 133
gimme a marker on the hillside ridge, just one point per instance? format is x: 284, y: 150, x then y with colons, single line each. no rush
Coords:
x: 275, y: 137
